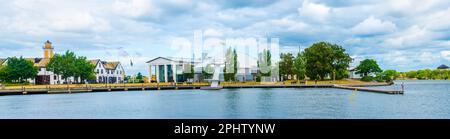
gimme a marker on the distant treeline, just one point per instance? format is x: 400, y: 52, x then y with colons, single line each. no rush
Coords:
x: 427, y: 74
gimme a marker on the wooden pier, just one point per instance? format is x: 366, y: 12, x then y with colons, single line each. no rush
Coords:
x: 375, y: 90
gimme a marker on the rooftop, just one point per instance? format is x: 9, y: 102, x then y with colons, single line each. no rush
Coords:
x: 443, y: 67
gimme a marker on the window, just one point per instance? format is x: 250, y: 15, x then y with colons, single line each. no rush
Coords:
x: 54, y: 77
x: 98, y: 71
x: 102, y: 71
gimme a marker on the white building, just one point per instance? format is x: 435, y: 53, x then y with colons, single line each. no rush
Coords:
x: 108, y: 72
x: 162, y: 69
x: 353, y: 75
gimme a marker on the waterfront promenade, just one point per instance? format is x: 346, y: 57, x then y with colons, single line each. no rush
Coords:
x: 78, y: 88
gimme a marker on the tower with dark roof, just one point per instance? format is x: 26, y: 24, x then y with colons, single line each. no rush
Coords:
x: 48, y: 50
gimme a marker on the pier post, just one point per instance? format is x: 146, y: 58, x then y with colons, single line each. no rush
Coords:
x: 24, y: 91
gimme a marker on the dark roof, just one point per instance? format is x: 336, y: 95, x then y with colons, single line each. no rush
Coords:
x: 2, y: 60
x: 443, y: 67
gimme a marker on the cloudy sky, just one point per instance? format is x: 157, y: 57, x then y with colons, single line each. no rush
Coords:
x: 399, y: 34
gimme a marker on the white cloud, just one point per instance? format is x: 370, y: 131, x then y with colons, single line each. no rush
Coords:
x: 413, y: 36
x: 445, y: 55
x: 427, y: 57
x: 212, y: 33
x: 373, y: 26
x: 135, y: 8
x: 77, y: 21
x: 317, y: 12
x: 439, y: 20
x: 395, y: 32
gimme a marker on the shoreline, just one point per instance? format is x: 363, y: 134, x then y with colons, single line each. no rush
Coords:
x: 86, y: 89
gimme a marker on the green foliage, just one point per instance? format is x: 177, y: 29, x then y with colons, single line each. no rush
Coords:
x: 63, y: 65
x: 208, y: 71
x: 340, y: 62
x: 264, y: 63
x: 367, y: 78
x: 411, y: 74
x: 84, y: 69
x: 17, y: 70
x: 300, y: 66
x: 189, y: 73
x: 286, y: 65
x: 231, y: 65
x: 69, y: 65
x: 368, y: 66
x: 3, y: 74
x: 389, y: 75
x: 324, y: 59
x: 428, y: 74
x: 139, y: 78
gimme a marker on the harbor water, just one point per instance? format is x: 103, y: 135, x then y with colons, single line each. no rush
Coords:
x: 422, y: 100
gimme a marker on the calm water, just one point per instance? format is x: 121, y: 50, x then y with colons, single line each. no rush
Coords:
x: 422, y: 99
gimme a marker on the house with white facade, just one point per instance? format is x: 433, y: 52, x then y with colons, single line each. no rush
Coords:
x: 107, y: 72
x: 353, y: 75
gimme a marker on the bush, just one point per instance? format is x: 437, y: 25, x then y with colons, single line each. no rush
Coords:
x: 380, y: 80
x: 367, y: 78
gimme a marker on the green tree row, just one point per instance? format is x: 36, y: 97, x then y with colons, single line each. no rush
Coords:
x: 17, y: 70
x: 371, y: 71
x: 231, y: 65
x: 69, y: 65
x: 317, y: 62
x: 428, y: 74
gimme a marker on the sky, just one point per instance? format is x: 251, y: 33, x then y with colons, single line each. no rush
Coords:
x: 400, y: 34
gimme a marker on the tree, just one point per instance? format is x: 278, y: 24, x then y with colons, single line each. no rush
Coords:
x: 139, y: 77
x: 264, y: 63
x: 318, y: 60
x: 208, y: 71
x: 188, y: 72
x: 231, y: 65
x: 69, y: 65
x: 340, y: 62
x: 389, y: 75
x: 84, y: 69
x: 127, y: 79
x: 3, y: 74
x: 18, y: 70
x: 63, y: 65
x: 286, y: 66
x: 368, y: 66
x: 411, y: 74
x: 300, y: 66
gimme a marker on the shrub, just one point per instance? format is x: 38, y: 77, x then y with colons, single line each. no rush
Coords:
x: 367, y: 78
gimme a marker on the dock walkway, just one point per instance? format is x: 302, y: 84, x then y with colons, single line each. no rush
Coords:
x: 375, y: 90
x: 25, y: 90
